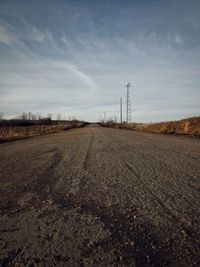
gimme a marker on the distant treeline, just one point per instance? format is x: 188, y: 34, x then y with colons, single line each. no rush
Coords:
x: 30, y: 119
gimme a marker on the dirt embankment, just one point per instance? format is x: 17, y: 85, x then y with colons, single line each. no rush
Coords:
x: 12, y: 133
x: 189, y: 126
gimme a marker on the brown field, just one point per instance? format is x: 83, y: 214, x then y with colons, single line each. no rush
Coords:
x: 189, y: 126
x: 11, y: 133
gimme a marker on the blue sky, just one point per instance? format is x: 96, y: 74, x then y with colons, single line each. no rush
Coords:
x: 74, y: 58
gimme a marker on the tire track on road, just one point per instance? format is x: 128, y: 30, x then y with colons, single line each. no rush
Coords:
x: 77, y: 178
x: 85, y: 162
x: 183, y: 222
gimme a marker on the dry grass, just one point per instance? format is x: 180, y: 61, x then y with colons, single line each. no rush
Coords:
x: 189, y: 126
x: 112, y: 124
x: 15, y: 133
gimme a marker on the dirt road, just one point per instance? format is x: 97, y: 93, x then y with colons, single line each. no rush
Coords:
x: 100, y: 197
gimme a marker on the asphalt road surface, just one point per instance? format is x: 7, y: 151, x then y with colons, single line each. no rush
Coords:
x: 100, y: 197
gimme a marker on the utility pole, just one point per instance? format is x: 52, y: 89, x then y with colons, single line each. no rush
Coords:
x: 121, y: 110
x: 128, y: 103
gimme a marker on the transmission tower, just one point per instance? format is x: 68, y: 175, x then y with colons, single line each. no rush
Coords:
x: 128, y: 103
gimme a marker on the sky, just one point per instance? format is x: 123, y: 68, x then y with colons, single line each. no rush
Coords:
x: 75, y: 57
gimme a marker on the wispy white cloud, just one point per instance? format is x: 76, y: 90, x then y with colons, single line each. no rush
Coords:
x: 78, y: 73
x: 6, y: 37
x: 178, y: 39
x: 65, y: 41
x: 46, y: 85
x: 40, y: 36
x: 37, y: 34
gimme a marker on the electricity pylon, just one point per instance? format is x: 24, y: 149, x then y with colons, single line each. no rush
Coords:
x: 128, y: 103
x: 121, y: 111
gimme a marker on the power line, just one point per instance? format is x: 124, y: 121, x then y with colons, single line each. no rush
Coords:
x: 175, y: 59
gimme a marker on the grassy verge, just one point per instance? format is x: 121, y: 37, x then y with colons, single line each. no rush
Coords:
x: 189, y: 126
x: 12, y: 133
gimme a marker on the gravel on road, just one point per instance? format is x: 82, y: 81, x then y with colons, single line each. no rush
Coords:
x: 100, y: 197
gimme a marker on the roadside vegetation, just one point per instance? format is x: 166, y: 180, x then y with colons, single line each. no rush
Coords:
x: 28, y: 125
x: 189, y: 126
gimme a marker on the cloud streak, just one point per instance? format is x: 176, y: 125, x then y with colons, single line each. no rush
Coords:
x: 6, y: 37
x: 78, y: 73
x: 39, y: 35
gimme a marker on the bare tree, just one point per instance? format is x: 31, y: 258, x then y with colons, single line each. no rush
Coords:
x: 38, y: 116
x: 24, y: 116
x: 49, y: 115
x: 33, y: 117
x: 58, y: 117
x: 1, y: 116
x: 29, y: 116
